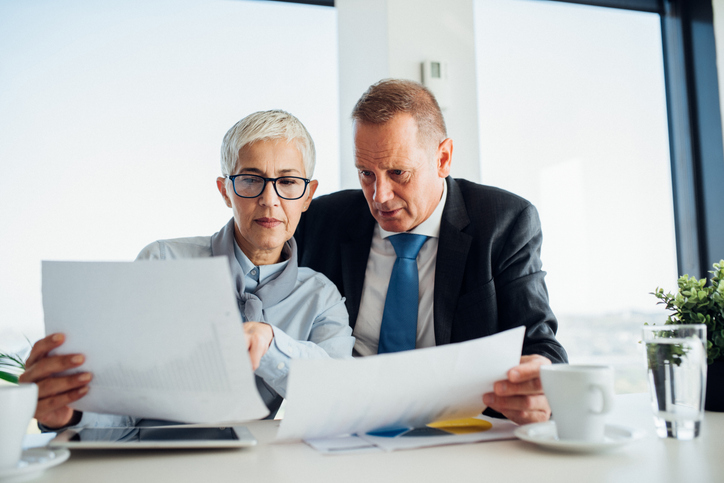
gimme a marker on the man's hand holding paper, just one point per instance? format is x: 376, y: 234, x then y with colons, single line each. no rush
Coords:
x: 520, y: 398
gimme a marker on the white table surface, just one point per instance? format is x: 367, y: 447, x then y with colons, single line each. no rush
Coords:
x: 648, y: 460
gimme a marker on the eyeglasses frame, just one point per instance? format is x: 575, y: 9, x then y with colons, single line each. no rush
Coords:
x: 266, y: 180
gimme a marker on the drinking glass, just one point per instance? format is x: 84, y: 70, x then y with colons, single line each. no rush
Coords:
x: 676, y: 370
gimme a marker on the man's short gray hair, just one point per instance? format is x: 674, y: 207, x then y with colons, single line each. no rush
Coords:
x: 262, y: 126
x: 390, y: 97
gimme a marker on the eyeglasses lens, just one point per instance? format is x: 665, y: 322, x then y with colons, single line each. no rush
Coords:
x: 252, y: 186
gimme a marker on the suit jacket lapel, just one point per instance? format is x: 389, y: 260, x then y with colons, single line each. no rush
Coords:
x: 452, y: 253
x: 354, y: 251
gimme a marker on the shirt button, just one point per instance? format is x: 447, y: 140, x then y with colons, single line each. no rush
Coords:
x: 253, y: 272
x: 280, y: 366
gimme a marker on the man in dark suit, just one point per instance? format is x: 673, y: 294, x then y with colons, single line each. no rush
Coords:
x: 478, y: 271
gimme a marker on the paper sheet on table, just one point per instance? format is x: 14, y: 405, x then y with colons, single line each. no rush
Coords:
x: 163, y: 339
x: 500, y: 429
x: 406, y: 389
x: 350, y: 444
x: 496, y: 430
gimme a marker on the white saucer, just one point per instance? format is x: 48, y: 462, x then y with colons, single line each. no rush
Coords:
x: 544, y: 434
x: 33, y: 462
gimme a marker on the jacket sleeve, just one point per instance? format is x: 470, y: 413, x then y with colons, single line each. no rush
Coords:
x: 521, y: 291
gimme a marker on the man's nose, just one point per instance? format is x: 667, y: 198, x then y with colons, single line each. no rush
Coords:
x: 383, y: 191
x: 268, y: 196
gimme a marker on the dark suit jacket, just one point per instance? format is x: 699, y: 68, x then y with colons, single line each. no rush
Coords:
x: 488, y: 274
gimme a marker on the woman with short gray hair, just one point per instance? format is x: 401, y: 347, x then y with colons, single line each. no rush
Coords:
x: 289, y: 312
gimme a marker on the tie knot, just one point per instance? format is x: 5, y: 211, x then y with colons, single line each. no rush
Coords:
x: 407, y: 245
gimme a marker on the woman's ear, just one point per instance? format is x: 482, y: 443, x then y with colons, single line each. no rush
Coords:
x: 310, y: 193
x: 221, y: 185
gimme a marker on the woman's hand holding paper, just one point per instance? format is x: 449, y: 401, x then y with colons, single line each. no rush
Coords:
x: 54, y: 392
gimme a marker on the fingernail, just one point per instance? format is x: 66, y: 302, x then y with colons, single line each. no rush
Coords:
x: 57, y: 337
x: 489, y: 399
x: 83, y: 390
x: 514, y: 374
x: 84, y: 377
x: 503, y: 387
x: 76, y: 359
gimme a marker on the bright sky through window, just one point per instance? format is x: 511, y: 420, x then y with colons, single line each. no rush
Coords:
x: 112, y: 115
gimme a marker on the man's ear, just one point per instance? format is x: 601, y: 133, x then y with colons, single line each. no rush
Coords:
x: 444, y: 157
x: 221, y: 185
x: 310, y: 194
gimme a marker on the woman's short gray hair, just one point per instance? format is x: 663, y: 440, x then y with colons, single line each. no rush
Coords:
x: 261, y: 126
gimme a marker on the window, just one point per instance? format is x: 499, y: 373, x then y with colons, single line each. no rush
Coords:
x: 112, y: 116
x: 573, y: 117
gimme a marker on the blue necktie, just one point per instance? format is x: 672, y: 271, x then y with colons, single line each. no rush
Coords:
x: 399, y: 320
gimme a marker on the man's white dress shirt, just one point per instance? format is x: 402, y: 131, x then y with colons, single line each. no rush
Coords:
x: 377, y: 278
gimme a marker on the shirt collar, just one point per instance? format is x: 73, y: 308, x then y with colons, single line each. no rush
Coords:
x: 429, y: 227
x: 264, y: 271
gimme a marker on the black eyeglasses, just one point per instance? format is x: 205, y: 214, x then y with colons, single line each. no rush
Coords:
x: 251, y: 186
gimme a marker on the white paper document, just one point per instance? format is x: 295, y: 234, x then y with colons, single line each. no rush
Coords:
x: 497, y: 430
x: 406, y: 389
x: 350, y: 444
x: 163, y: 339
x: 488, y: 429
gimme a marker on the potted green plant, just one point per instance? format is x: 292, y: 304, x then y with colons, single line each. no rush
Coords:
x: 702, y: 302
x: 11, y: 366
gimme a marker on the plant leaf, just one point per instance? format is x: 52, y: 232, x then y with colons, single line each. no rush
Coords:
x: 6, y: 376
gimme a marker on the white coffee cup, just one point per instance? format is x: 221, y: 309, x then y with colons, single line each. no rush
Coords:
x: 580, y: 396
x: 17, y: 406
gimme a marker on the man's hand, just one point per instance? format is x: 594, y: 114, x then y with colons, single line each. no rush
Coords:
x: 258, y: 339
x: 520, y: 398
x: 55, y: 393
